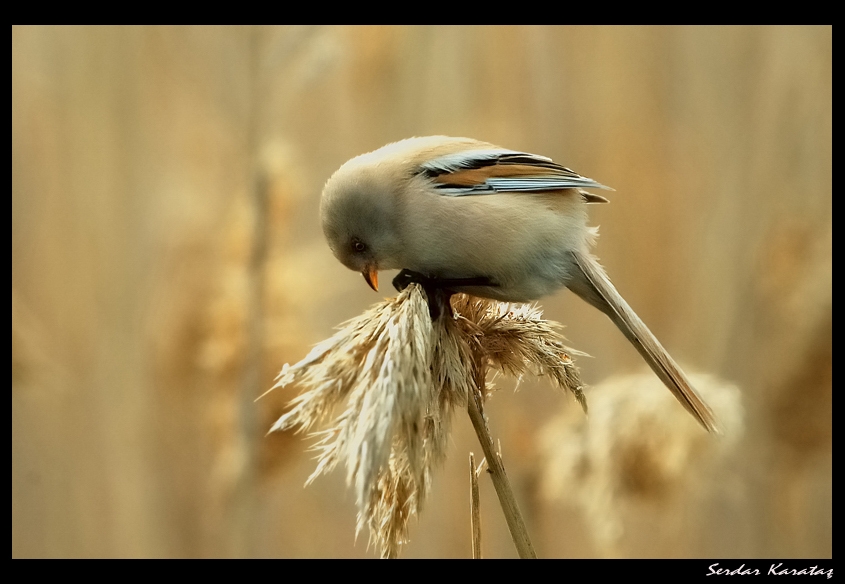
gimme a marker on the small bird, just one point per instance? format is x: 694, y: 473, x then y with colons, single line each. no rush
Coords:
x: 461, y: 215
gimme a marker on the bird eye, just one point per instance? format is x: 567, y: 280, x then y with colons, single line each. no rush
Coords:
x: 358, y: 245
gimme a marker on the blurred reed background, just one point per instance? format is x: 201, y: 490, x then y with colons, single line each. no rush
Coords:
x: 167, y: 260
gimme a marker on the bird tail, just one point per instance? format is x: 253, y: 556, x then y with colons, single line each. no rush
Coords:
x: 592, y: 284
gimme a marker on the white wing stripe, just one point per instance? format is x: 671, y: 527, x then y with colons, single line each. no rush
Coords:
x: 499, y: 185
x: 531, y: 184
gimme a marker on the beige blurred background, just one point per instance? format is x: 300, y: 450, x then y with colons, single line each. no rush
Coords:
x: 167, y: 260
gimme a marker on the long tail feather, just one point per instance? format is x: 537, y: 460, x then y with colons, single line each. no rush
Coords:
x: 593, y: 285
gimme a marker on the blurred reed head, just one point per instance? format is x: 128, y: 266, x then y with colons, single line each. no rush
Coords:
x: 636, y: 466
x: 401, y: 376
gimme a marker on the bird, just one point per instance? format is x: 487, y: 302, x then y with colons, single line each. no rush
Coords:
x: 462, y: 215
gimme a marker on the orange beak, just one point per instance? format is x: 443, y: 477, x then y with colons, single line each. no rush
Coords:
x: 370, y: 274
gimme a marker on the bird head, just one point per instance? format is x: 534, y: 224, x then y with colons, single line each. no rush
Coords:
x: 358, y: 211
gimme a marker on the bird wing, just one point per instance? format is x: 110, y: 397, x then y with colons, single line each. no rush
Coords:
x: 496, y: 170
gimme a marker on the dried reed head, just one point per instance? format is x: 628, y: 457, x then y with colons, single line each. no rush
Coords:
x: 401, y: 376
x: 636, y: 464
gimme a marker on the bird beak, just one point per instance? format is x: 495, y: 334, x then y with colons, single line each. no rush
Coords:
x: 370, y: 274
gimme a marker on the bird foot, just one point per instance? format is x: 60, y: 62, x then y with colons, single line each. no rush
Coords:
x: 438, y: 290
x: 438, y: 296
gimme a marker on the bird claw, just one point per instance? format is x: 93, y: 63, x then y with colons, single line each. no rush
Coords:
x: 438, y: 295
x: 407, y: 277
x: 438, y: 290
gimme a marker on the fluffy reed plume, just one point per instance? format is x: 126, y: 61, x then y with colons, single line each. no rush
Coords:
x: 638, y: 465
x: 401, y: 376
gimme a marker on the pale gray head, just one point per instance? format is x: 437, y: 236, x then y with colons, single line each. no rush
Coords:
x: 358, y: 212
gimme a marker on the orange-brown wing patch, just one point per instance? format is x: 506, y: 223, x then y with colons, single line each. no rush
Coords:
x: 477, y: 176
